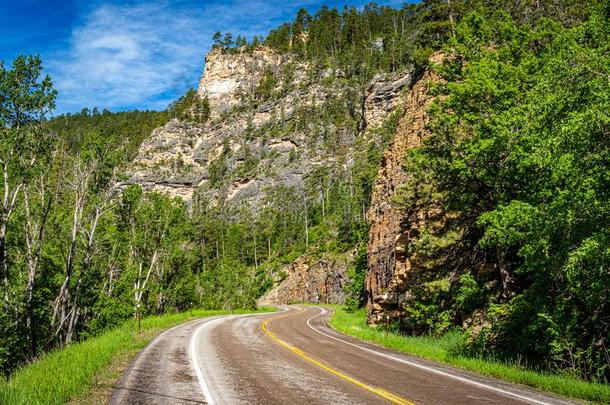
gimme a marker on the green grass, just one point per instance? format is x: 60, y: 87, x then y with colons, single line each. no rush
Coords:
x: 438, y: 349
x: 69, y: 373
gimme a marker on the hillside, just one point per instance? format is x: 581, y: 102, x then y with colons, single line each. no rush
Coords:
x: 274, y: 122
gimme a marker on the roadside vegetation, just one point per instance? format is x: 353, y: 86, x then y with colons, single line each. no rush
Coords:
x: 447, y: 349
x: 512, y: 179
x: 74, y: 373
x: 77, y: 256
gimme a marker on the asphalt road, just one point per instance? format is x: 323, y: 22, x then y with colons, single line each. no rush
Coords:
x: 292, y: 357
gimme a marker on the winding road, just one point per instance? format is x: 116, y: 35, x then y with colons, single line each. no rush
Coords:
x: 293, y: 357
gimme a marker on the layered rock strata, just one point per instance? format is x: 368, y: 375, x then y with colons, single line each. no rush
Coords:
x: 390, y: 261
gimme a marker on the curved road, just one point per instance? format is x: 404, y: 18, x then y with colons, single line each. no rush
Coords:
x: 293, y: 357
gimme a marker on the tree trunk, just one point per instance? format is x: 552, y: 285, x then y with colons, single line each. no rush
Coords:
x: 75, y: 312
x: 269, y: 248
x: 323, y: 207
x: 34, y: 235
x: 255, y: 256
x: 139, y: 287
x: 451, y: 18
x: 306, y: 225
x: 4, y: 265
x: 505, y: 276
x: 8, y: 205
x: 62, y: 312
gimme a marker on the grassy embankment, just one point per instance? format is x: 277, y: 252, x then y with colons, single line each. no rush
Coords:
x: 440, y: 349
x: 85, y: 372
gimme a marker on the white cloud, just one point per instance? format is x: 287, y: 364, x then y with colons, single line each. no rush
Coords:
x: 122, y: 56
x: 145, y: 54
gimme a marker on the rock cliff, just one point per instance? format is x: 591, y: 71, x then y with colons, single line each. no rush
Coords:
x: 259, y: 135
x: 390, y: 262
x: 227, y: 76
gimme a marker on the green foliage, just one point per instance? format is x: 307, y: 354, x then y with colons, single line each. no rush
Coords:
x: 217, y: 169
x: 191, y: 107
x: 25, y: 96
x: 78, y: 259
x: 470, y: 295
x: 25, y: 99
x: 519, y: 154
x: 111, y: 139
x: 354, y: 290
x: 226, y: 44
x: 231, y: 285
x: 362, y: 42
x: 264, y: 90
x: 424, y: 310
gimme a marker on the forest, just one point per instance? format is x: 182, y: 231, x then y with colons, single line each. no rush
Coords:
x: 518, y: 159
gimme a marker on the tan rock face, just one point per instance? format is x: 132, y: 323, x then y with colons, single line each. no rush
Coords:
x: 308, y: 280
x: 227, y: 74
x: 390, y: 262
x: 263, y: 144
x: 384, y: 97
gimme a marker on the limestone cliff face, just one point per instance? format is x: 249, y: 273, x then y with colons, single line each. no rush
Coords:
x: 253, y: 143
x: 227, y: 75
x: 177, y: 158
x: 390, y: 262
x: 383, y: 97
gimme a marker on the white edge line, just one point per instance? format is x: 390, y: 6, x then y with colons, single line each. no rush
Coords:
x: 204, y: 387
x: 193, y: 349
x: 421, y: 366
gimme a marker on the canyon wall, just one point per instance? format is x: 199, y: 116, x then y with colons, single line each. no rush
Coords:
x: 261, y: 136
x: 390, y: 261
x: 256, y: 142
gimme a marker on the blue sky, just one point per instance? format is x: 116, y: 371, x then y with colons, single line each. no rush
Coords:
x: 140, y: 54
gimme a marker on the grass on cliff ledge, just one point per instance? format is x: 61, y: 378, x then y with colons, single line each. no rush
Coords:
x: 75, y: 373
x: 439, y: 349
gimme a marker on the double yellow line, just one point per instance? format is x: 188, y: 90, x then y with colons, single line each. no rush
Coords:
x: 378, y: 391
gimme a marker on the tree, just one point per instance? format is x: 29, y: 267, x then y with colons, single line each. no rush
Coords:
x: 25, y: 97
x: 37, y: 208
x: 217, y: 39
x: 191, y: 107
x: 299, y: 31
x: 519, y: 159
x: 227, y: 41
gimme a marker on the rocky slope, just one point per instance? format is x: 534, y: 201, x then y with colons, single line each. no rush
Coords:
x: 390, y: 263
x: 259, y: 136
x: 310, y: 280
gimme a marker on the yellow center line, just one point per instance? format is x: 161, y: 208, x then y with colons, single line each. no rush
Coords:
x: 378, y: 391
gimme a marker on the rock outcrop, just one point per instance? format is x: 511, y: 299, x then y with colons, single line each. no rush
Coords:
x: 390, y: 262
x: 309, y: 280
x: 227, y: 75
x: 255, y: 142
x: 383, y: 97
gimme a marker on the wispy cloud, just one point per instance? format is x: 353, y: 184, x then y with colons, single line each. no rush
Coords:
x: 125, y: 56
x: 144, y: 54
